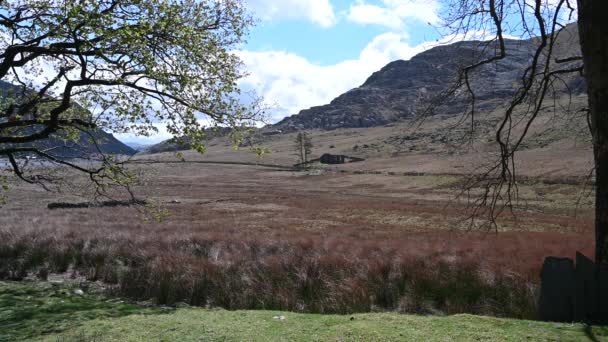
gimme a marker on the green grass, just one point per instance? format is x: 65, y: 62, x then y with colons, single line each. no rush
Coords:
x: 47, y: 313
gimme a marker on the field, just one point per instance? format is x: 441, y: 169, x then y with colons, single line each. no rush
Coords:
x: 52, y: 313
x: 350, y: 238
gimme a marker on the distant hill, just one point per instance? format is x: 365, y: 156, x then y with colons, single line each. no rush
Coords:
x: 183, y: 144
x: 171, y: 145
x: 396, y: 91
x: 137, y: 146
x: 93, y: 142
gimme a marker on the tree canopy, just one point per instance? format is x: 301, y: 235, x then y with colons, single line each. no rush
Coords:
x: 116, y: 65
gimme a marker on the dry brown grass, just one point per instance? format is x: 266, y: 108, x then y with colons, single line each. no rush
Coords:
x: 246, y: 237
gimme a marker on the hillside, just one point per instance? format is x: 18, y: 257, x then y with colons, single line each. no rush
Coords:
x: 171, y: 145
x: 91, y: 143
x: 392, y: 96
x: 400, y: 89
x: 57, y: 145
x: 183, y: 143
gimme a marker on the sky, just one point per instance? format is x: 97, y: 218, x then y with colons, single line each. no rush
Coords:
x: 304, y: 53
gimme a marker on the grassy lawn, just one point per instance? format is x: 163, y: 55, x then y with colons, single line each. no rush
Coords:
x: 54, y: 313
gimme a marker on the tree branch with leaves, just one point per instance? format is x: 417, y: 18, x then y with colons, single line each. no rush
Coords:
x: 127, y: 66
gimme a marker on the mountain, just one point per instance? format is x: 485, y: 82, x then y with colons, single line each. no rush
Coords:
x: 91, y: 143
x: 402, y: 88
x: 88, y: 143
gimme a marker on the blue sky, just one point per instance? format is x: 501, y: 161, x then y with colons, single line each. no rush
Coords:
x: 332, y: 42
x: 304, y: 53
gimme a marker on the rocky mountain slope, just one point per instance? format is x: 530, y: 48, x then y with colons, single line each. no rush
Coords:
x: 402, y: 88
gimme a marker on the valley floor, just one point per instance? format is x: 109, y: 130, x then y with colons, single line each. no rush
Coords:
x: 415, y: 215
x: 386, y: 234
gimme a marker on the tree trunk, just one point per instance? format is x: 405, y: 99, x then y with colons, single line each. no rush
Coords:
x: 593, y: 31
x: 302, y: 152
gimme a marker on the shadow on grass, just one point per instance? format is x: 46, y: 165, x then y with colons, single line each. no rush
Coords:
x: 596, y: 333
x: 28, y: 310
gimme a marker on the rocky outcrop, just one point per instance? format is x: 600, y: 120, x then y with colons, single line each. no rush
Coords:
x: 402, y: 88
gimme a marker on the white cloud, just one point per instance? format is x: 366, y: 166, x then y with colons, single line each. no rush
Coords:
x: 394, y: 13
x: 294, y: 83
x: 320, y: 12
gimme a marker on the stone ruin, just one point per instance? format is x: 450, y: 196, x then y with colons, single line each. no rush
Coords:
x: 332, y: 159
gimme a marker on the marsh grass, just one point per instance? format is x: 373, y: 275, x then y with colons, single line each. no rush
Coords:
x: 332, y: 246
x: 303, y: 275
